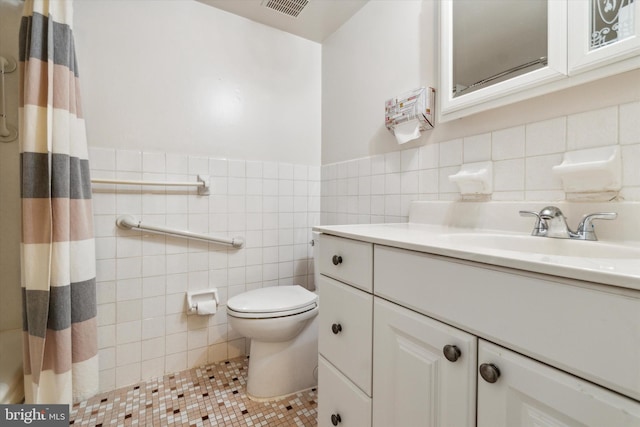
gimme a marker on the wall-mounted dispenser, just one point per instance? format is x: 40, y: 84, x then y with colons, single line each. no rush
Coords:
x: 409, y: 114
x: 202, y: 303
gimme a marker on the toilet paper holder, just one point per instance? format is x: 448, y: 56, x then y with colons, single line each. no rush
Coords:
x: 205, y: 295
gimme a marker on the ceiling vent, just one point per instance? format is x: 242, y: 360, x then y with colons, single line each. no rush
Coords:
x: 288, y: 7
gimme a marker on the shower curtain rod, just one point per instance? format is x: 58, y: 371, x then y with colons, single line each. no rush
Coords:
x: 202, y: 184
x: 128, y: 222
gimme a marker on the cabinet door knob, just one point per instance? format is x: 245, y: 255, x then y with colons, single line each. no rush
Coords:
x: 337, y: 259
x: 335, y: 419
x: 451, y: 352
x: 336, y: 328
x: 489, y: 372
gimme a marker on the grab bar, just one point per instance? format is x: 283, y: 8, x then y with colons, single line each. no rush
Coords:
x: 202, y: 184
x: 128, y: 222
x: 8, y: 133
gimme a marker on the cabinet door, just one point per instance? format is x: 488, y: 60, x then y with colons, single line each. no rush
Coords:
x: 413, y: 383
x: 603, y: 32
x: 340, y: 402
x: 345, y: 330
x: 527, y: 393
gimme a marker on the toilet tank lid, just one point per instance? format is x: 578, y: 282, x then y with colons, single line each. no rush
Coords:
x: 272, y: 299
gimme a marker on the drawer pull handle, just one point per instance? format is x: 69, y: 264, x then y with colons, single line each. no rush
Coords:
x: 451, y: 352
x: 489, y: 372
x: 337, y: 259
x: 336, y: 328
x: 335, y: 419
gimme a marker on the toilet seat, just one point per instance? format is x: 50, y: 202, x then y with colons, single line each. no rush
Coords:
x: 272, y: 302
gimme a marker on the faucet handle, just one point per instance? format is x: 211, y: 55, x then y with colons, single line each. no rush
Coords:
x: 586, y: 228
x: 540, y: 228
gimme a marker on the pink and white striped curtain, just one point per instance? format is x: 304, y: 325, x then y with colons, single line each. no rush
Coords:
x: 58, y: 248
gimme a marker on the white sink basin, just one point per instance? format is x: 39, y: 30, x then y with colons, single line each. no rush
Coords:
x: 542, y: 245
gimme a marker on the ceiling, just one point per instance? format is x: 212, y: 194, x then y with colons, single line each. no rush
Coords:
x: 318, y: 19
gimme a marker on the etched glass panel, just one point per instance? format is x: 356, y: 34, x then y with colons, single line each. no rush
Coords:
x: 611, y: 21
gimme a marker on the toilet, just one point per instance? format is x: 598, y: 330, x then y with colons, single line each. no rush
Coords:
x: 281, y: 322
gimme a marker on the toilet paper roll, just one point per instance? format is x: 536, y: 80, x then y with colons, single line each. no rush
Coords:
x: 206, y: 308
x: 407, y: 131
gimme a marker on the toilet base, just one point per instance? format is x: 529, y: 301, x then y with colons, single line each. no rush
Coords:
x: 272, y: 399
x: 277, y: 369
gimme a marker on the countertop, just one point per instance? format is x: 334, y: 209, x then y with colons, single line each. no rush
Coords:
x: 441, y: 240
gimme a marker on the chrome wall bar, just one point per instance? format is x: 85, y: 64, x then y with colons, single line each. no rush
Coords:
x: 539, y: 61
x: 8, y: 133
x: 202, y: 184
x: 129, y: 222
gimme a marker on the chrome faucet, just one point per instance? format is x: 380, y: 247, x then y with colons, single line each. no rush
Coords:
x: 551, y: 222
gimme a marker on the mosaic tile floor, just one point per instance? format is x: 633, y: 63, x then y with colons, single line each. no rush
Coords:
x: 212, y: 395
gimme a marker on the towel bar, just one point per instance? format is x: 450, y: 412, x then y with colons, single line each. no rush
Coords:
x: 202, y: 184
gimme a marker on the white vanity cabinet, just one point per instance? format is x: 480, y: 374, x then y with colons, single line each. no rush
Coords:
x: 458, y: 343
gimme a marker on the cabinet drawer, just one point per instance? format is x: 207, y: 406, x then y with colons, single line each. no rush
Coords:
x: 345, y: 335
x: 528, y: 393
x: 347, y: 260
x: 587, y: 331
x: 337, y: 396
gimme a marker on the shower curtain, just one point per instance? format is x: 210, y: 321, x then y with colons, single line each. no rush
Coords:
x: 58, y: 248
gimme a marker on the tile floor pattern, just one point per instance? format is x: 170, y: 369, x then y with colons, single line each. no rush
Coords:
x: 212, y: 395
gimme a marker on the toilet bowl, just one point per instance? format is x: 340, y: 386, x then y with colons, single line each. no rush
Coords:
x: 281, y: 322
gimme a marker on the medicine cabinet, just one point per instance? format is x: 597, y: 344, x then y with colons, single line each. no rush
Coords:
x: 497, y: 52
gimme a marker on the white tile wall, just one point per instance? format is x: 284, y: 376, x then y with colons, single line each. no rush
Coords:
x: 522, y: 157
x: 143, y: 329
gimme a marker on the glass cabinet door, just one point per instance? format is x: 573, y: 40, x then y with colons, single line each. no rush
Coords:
x: 602, y: 32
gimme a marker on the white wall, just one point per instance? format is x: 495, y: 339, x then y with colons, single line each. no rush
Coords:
x: 385, y: 49
x: 180, y: 76
x: 10, y: 303
x: 388, y: 48
x: 173, y: 89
